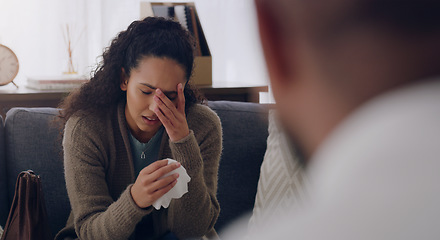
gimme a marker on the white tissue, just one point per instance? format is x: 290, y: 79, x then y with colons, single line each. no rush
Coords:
x: 178, y: 190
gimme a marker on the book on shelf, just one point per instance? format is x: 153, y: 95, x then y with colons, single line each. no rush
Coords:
x: 62, y: 82
x: 163, y: 11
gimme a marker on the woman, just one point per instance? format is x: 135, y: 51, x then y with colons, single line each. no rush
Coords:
x: 138, y: 108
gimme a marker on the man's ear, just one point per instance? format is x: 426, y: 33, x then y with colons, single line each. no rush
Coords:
x: 272, y: 42
x: 124, y: 80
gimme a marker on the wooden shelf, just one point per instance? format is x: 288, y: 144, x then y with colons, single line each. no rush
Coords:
x: 26, y: 97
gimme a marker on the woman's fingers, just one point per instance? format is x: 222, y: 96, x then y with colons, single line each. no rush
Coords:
x: 165, y: 104
x: 166, y: 115
x: 168, y: 107
x: 164, y: 170
x: 163, y: 119
x: 160, y: 192
x: 181, y: 99
x: 166, y: 111
x: 154, y: 166
x: 172, y: 118
x: 163, y: 182
x: 156, y: 170
x: 152, y: 182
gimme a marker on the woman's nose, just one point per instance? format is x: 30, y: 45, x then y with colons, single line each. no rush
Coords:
x: 152, y: 105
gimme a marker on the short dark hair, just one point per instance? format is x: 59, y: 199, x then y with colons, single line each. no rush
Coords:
x: 406, y: 16
x: 326, y: 19
x: 403, y: 17
x: 150, y: 37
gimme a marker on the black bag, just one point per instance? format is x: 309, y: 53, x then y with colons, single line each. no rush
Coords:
x: 27, y: 217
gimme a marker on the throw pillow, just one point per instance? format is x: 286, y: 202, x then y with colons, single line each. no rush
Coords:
x: 281, y: 177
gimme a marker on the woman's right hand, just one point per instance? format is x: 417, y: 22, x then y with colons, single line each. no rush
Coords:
x: 149, y: 187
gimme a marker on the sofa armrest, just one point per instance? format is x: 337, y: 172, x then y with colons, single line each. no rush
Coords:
x: 244, y: 144
x: 33, y: 141
x: 4, y: 210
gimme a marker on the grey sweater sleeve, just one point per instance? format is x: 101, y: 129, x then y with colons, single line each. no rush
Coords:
x: 96, y: 214
x: 195, y: 214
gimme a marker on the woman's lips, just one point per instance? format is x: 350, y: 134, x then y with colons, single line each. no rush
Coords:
x: 150, y: 120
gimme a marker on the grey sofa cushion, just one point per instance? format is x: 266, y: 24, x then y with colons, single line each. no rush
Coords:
x: 4, y: 211
x: 245, y: 131
x: 33, y: 141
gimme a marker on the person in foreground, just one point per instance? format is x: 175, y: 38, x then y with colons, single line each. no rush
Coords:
x: 357, y: 87
x: 137, y: 110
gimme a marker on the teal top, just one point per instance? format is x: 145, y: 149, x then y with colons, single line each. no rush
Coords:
x: 145, y: 153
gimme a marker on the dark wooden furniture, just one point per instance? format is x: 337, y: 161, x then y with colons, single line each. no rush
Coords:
x: 26, y: 97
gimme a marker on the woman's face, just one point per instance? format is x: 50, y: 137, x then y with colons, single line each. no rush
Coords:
x: 152, y: 73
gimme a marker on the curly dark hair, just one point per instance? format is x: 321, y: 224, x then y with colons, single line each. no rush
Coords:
x: 150, y: 37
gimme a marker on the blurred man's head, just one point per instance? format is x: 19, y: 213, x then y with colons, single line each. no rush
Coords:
x: 326, y: 57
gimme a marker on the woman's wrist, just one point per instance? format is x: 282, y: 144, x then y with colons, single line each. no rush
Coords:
x: 180, y: 138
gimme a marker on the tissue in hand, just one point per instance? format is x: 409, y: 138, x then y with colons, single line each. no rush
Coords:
x: 178, y: 190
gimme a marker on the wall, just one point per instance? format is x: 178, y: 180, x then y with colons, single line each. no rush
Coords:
x: 33, y: 29
x: 232, y: 34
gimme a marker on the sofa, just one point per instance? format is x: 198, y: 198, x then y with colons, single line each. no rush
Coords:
x: 30, y: 139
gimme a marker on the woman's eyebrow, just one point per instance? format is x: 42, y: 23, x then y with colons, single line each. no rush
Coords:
x: 148, y: 85
x: 154, y: 88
